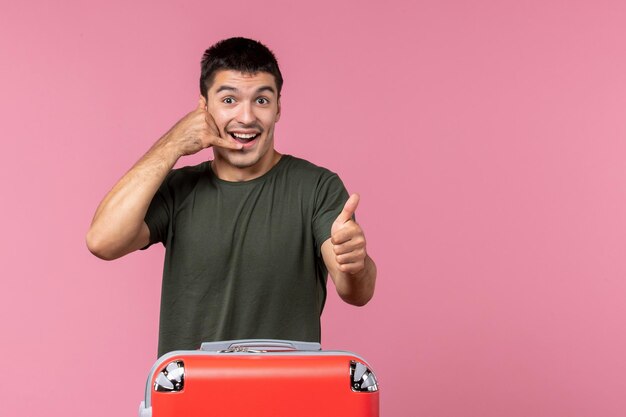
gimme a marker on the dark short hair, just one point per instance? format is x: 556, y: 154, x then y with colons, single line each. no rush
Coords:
x: 239, y: 54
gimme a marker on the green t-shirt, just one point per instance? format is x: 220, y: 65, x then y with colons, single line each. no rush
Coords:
x: 243, y: 259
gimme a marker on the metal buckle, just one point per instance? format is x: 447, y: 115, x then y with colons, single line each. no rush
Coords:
x: 362, y: 379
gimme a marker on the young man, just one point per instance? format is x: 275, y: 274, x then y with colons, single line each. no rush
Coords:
x: 250, y: 236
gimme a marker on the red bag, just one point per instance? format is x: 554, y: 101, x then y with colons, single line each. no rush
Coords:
x: 260, y: 378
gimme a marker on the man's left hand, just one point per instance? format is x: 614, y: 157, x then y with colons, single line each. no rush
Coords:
x: 348, y: 239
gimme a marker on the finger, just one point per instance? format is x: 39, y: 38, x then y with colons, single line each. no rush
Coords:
x: 340, y: 237
x: 349, y: 246
x: 352, y: 268
x: 210, y: 121
x: 345, y: 232
x: 348, y: 209
x: 352, y: 257
x: 225, y: 143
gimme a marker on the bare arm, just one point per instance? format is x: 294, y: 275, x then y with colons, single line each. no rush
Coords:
x: 118, y: 226
x: 352, y: 270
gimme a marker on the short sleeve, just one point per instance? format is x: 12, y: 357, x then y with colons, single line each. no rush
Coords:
x: 331, y: 196
x: 159, y: 213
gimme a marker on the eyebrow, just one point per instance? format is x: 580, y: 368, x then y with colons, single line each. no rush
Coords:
x: 258, y: 90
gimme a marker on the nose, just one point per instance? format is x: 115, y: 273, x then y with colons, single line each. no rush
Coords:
x: 246, y: 114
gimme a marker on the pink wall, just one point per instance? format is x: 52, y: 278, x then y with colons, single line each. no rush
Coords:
x: 487, y: 140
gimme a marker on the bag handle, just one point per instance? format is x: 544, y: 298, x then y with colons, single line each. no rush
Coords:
x: 260, y: 345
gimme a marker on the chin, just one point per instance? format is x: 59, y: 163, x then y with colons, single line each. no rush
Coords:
x: 242, y: 161
x: 242, y: 164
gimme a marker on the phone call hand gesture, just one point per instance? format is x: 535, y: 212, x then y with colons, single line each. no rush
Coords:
x: 197, y: 131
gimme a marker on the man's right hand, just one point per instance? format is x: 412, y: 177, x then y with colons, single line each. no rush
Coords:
x: 197, y: 131
x: 118, y: 226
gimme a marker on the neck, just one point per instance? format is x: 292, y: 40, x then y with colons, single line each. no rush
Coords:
x: 224, y: 170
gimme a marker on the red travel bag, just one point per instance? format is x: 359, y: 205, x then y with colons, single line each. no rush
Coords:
x: 260, y: 378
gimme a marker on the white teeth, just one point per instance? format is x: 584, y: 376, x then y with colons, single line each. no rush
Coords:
x: 244, y: 135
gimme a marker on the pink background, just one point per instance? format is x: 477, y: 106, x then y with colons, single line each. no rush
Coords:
x: 487, y: 140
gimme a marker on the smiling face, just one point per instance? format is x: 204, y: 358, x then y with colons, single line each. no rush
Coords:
x: 245, y: 107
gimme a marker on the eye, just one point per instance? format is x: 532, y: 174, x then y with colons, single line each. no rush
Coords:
x: 262, y: 100
x: 228, y: 100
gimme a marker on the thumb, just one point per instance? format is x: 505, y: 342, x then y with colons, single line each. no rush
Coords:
x: 348, y: 209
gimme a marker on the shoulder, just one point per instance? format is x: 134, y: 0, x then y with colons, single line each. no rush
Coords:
x: 187, y: 172
x: 311, y: 178
x: 302, y: 168
x: 183, y: 179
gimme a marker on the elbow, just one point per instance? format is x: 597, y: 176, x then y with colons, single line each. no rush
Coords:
x: 98, y: 247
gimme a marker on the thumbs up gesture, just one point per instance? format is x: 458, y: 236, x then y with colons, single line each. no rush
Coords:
x: 348, y: 239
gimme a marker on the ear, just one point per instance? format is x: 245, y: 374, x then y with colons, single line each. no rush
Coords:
x: 278, y: 110
x: 202, y: 103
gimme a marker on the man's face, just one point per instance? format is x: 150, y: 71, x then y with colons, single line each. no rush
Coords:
x: 244, y: 107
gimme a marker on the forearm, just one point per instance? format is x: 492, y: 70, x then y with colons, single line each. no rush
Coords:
x: 119, y: 217
x: 356, y: 289
x: 118, y: 227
